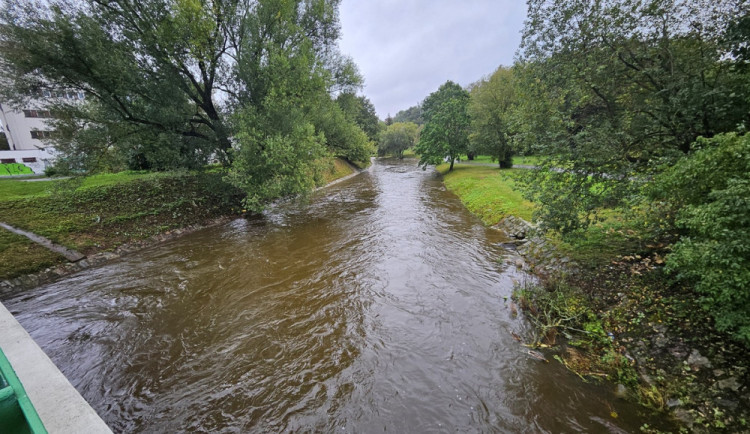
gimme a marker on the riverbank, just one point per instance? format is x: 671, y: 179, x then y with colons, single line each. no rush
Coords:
x: 615, y: 314
x: 107, y: 216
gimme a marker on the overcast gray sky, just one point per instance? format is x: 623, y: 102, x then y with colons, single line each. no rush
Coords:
x: 407, y: 48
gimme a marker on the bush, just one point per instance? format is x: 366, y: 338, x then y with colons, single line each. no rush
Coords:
x: 708, y: 193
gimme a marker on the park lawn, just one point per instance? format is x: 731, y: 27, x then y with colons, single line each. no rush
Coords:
x: 526, y: 160
x: 409, y: 153
x: 488, y: 192
x: 11, y: 189
x: 523, y: 160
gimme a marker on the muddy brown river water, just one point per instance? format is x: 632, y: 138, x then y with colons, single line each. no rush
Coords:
x: 377, y: 306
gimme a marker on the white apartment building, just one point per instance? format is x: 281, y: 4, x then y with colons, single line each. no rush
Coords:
x: 25, y: 129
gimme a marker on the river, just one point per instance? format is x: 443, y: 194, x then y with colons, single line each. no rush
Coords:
x: 379, y: 305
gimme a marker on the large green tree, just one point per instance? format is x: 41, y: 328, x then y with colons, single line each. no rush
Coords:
x: 446, y: 129
x: 614, y: 89
x: 172, y: 83
x: 491, y: 108
x: 285, y: 119
x: 164, y: 76
x: 156, y: 66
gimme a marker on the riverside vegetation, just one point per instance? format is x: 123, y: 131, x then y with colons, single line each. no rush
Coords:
x: 102, y: 212
x: 637, y: 115
x: 637, y: 112
x: 613, y: 312
x: 258, y: 88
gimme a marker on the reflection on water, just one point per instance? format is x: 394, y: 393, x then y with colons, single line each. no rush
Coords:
x: 379, y: 305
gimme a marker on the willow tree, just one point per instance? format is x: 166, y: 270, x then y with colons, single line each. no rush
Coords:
x: 152, y: 68
x: 163, y: 78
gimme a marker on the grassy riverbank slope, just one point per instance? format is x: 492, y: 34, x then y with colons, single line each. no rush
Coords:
x: 102, y: 212
x: 487, y: 192
x: 619, y: 315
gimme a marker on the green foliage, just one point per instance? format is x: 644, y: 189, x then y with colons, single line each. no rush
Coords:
x: 491, y: 106
x: 412, y: 114
x: 397, y: 138
x: 559, y: 308
x: 150, y: 70
x: 278, y: 153
x: 170, y: 81
x: 342, y: 136
x: 286, y: 121
x: 526, y: 160
x: 614, y: 89
x: 446, y: 131
x: 570, y: 200
x: 708, y: 193
x: 359, y: 109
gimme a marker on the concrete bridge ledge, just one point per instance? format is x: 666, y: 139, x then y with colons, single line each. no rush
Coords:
x: 59, y: 405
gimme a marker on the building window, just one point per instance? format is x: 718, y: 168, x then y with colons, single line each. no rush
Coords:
x: 29, y: 159
x: 37, y: 134
x: 37, y: 113
x: 7, y: 160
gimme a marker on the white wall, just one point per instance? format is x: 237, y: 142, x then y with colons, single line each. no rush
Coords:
x: 18, y: 128
x: 20, y: 123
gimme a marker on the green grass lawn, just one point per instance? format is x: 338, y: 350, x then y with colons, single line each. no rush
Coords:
x: 409, y: 153
x: 11, y: 189
x: 526, y: 160
x: 487, y: 192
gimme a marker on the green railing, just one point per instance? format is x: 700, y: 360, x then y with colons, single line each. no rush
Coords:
x: 17, y: 414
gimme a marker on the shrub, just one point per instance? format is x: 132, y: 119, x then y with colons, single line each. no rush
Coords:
x: 708, y: 192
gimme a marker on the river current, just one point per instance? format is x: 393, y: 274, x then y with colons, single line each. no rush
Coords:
x: 378, y: 305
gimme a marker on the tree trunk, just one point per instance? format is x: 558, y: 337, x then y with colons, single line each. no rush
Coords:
x: 452, y: 160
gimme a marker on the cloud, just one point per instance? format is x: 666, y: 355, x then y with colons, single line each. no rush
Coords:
x: 406, y: 49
